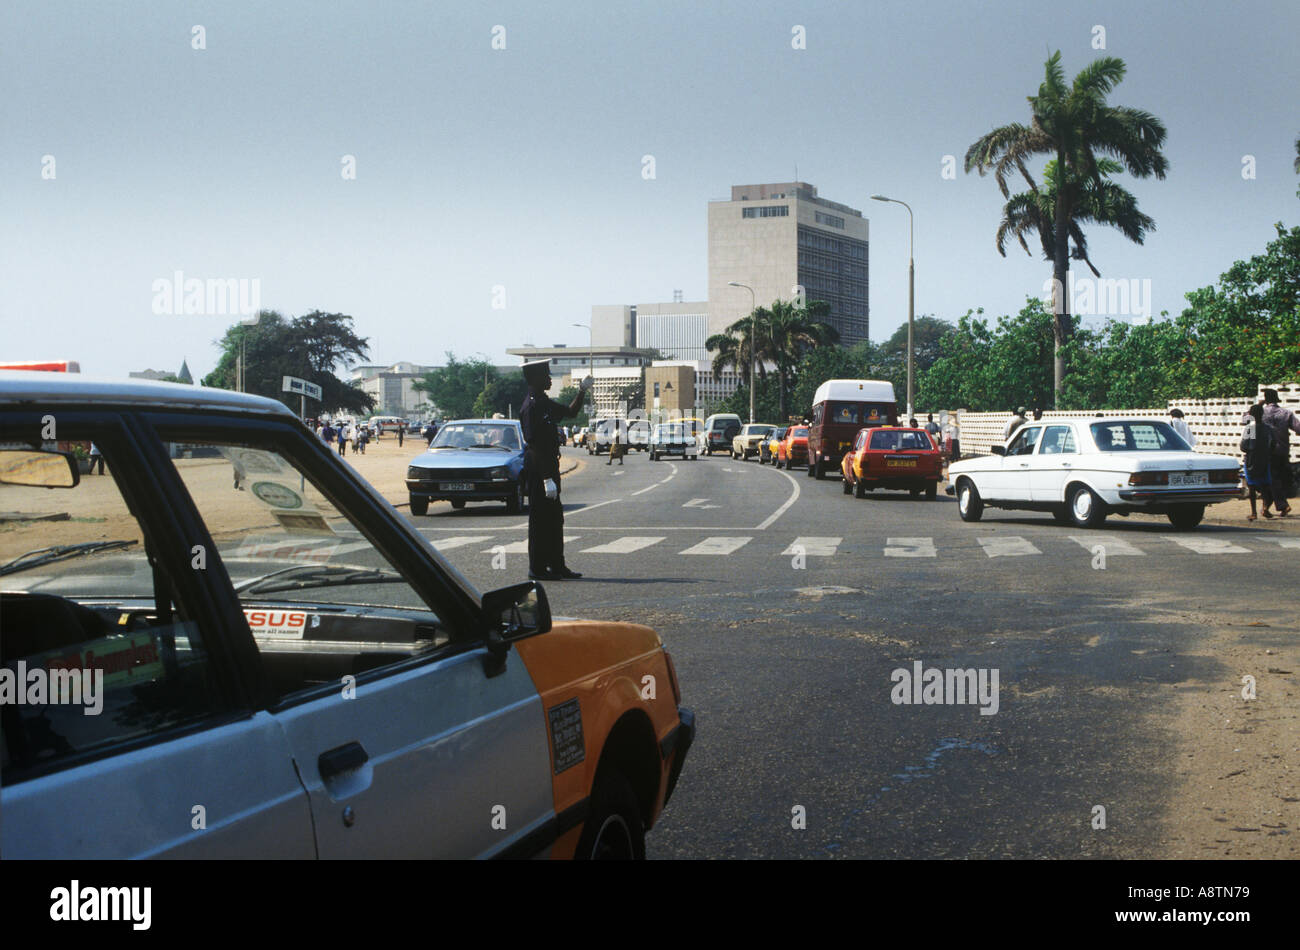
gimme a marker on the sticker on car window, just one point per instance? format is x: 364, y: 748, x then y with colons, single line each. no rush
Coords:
x: 276, y: 624
x: 567, y: 744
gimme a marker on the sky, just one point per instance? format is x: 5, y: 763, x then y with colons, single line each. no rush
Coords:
x: 500, y: 192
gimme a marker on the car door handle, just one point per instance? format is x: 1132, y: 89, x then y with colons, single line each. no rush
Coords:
x: 345, y: 758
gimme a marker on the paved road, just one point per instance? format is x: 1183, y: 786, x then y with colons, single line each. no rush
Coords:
x: 788, y: 606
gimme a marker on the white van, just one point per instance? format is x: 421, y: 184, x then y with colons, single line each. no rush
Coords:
x: 714, y: 434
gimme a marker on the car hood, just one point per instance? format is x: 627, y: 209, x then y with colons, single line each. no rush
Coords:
x: 465, y: 458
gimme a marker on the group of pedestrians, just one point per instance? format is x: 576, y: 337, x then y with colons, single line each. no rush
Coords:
x: 346, y: 432
x: 1266, y: 444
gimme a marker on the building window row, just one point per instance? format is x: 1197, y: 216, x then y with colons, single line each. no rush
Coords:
x: 831, y: 220
x: 847, y: 247
x: 827, y: 264
x: 767, y: 211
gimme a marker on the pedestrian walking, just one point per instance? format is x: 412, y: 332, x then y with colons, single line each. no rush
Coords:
x: 96, y: 458
x: 935, y: 430
x: 617, y: 448
x: 537, y: 417
x: 1179, y: 425
x: 1257, y: 446
x: 363, y: 437
x: 1281, y: 422
x: 952, y: 439
x: 345, y: 435
x: 401, y: 431
x: 1017, y: 420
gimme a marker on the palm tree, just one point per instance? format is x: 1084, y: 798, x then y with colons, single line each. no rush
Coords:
x: 791, y: 332
x: 1075, y: 126
x: 1034, y: 211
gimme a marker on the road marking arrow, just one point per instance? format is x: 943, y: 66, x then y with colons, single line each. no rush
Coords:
x: 699, y: 503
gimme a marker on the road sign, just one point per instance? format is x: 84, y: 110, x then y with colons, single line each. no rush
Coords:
x: 292, y: 384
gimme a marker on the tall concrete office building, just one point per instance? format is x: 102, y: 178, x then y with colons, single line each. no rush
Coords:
x: 779, y: 237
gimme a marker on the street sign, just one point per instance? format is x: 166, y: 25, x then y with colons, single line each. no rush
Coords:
x: 292, y: 384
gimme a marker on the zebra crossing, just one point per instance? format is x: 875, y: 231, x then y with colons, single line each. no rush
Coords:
x: 990, y: 546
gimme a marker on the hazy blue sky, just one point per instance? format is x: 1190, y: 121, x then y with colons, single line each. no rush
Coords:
x: 522, y: 167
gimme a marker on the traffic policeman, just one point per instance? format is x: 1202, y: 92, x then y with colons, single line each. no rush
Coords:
x: 539, y: 416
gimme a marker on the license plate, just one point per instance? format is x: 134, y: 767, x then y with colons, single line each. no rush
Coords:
x: 457, y: 486
x: 1188, y: 479
x: 900, y: 463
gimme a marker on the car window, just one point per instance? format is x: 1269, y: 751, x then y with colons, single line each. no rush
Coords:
x: 1151, y: 436
x: 885, y: 439
x: 844, y: 412
x: 114, y: 657
x: 1025, y: 440
x: 1057, y: 440
x: 321, y: 600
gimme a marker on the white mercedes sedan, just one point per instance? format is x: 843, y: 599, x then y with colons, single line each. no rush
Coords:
x: 1082, y: 470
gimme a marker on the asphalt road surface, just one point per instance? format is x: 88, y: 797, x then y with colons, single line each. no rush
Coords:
x: 788, y: 606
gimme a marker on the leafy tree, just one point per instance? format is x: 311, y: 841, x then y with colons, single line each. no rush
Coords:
x: 566, y: 397
x: 994, y: 369
x: 456, y: 388
x: 310, y: 347
x: 1122, y: 366
x: 1245, y: 331
x: 1074, y: 125
x: 504, y: 394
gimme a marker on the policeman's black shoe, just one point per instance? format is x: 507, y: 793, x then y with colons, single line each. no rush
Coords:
x: 564, y: 574
x: 541, y: 576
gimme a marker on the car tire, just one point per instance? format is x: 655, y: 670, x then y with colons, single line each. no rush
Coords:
x: 819, y: 472
x: 458, y: 503
x: 419, y: 506
x: 848, y: 486
x: 1086, y: 509
x: 613, y: 830
x: 970, y: 506
x: 516, y: 502
x: 859, y: 489
x: 1186, y: 517
x: 931, y: 491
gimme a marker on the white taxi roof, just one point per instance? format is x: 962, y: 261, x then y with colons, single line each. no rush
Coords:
x: 19, y: 387
x: 854, y: 390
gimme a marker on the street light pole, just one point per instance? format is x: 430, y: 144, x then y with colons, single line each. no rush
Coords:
x: 753, y: 312
x: 911, y: 295
x: 591, y: 359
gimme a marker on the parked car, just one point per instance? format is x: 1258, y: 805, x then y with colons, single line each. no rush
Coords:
x: 840, y: 408
x: 287, y: 667
x: 673, y: 438
x: 892, y: 457
x: 1082, y: 470
x: 793, y: 449
x: 746, y: 441
x: 768, y: 448
x: 719, y: 429
x: 470, y: 460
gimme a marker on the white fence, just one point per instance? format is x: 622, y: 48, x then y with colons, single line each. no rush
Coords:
x: 1216, y: 423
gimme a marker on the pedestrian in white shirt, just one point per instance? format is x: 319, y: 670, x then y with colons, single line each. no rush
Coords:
x: 1179, y: 425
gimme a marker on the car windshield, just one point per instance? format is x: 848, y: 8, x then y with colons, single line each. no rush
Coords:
x: 1153, y: 436
x: 476, y: 435
x: 800, y: 433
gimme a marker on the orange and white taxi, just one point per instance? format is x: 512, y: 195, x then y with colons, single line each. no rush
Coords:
x: 893, y: 457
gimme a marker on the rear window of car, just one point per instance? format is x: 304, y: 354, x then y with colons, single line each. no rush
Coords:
x: 895, y: 441
x: 800, y: 433
x: 1137, y: 437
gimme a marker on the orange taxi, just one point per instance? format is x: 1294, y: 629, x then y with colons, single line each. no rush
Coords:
x: 793, y: 449
x: 893, y: 457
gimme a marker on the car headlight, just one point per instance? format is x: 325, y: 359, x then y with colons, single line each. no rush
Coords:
x: 415, y: 472
x: 501, y: 472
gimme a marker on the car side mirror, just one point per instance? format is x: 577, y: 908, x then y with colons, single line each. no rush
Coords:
x: 510, y: 614
x: 999, y: 449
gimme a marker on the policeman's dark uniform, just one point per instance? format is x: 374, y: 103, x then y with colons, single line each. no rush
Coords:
x: 538, y: 416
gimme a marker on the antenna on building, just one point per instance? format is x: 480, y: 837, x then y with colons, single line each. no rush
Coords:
x: 677, y: 296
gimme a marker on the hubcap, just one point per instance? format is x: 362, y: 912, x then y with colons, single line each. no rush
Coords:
x: 1083, y: 505
x: 964, y: 500
x: 613, y: 841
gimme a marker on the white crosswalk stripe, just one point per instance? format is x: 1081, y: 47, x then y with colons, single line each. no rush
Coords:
x: 1207, y: 545
x: 1008, y: 546
x: 520, y: 547
x: 1113, y: 546
x: 813, y: 547
x: 458, y: 541
x: 621, y: 545
x: 717, y: 546
x: 910, y: 547
x: 1288, y: 542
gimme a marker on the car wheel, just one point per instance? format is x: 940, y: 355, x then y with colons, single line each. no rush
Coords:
x: 860, y: 489
x: 458, y: 503
x: 419, y: 506
x: 969, y: 504
x: 515, y: 503
x: 931, y: 491
x: 819, y: 471
x: 1186, y: 517
x: 848, y: 486
x: 1086, y: 509
x: 613, y: 830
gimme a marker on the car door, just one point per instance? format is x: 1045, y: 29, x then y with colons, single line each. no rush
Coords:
x: 1017, y: 465
x: 174, y: 763
x: 408, y: 741
x: 1055, y: 462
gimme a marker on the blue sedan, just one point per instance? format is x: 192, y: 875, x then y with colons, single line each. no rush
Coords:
x: 470, y: 460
